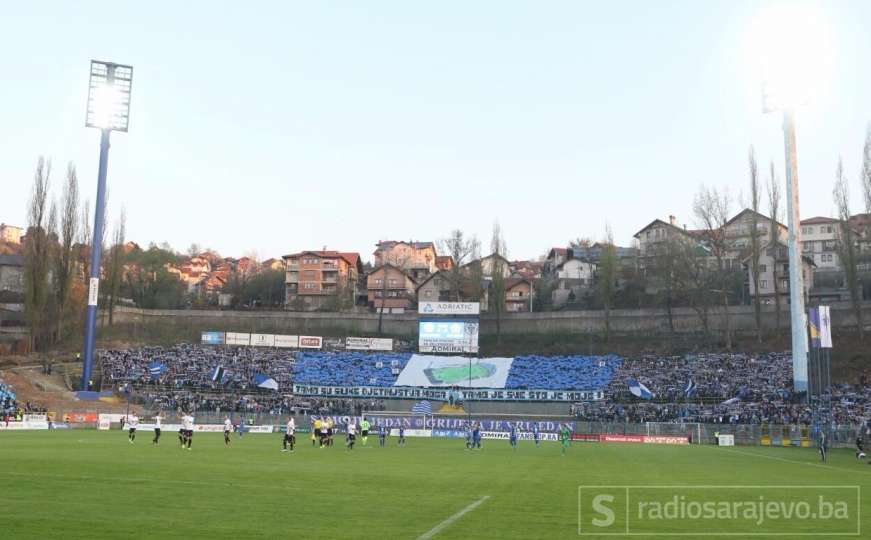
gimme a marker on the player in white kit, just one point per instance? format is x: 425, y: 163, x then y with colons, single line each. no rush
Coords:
x: 228, y: 428
x: 157, y: 420
x: 289, y: 435
x: 187, y: 424
x: 132, y: 424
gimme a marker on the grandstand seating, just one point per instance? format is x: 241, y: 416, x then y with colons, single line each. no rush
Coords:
x: 348, y: 368
x: 562, y: 372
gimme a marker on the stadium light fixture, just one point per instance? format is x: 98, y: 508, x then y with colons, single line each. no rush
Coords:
x: 791, y: 51
x: 108, y: 110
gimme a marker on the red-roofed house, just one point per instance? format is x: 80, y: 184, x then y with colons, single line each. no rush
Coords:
x: 321, y: 279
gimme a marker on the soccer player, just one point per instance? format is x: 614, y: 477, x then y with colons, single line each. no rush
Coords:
x: 317, y: 432
x: 564, y: 437
x: 382, y: 435
x: 157, y: 420
x: 536, y: 435
x: 352, y: 435
x: 401, y: 435
x: 468, y: 429
x: 364, y: 430
x: 187, y: 422
x: 476, y: 435
x: 228, y: 428
x: 132, y: 424
x: 181, y: 432
x: 289, y: 435
x: 512, y: 435
x: 860, y: 446
x: 330, y: 430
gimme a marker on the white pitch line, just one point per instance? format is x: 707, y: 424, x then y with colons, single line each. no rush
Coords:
x: 820, y: 465
x: 438, y: 528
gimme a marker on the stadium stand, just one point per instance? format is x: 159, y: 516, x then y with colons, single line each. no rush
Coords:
x: 713, y: 388
x: 348, y: 368
x: 562, y: 372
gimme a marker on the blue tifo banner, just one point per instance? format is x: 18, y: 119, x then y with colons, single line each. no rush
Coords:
x: 450, y: 425
x: 481, y: 394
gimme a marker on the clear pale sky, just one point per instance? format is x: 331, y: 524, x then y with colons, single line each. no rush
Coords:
x: 279, y: 126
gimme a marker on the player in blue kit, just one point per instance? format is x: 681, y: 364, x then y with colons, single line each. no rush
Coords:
x: 401, y: 435
x: 513, y: 434
x: 382, y: 435
x: 536, y: 435
x: 476, y: 435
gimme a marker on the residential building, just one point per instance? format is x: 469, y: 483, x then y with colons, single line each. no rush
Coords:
x: 654, y: 234
x: 819, y: 241
x: 555, y: 257
x: 530, y: 270
x: 10, y: 233
x: 11, y: 276
x: 435, y: 288
x: 738, y: 239
x: 572, y: 279
x: 774, y: 264
x: 390, y: 288
x: 418, y: 259
x: 444, y: 262
x: 518, y: 294
x: 273, y: 264
x: 321, y: 279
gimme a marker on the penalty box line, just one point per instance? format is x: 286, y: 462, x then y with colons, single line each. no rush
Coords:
x: 444, y: 524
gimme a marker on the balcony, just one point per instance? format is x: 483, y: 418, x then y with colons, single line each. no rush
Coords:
x: 330, y: 279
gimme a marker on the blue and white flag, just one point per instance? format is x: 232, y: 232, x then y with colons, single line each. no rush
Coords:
x: 422, y: 407
x: 639, y: 390
x: 218, y: 374
x: 265, y: 381
x: 691, y: 388
x: 731, y: 401
x: 156, y: 369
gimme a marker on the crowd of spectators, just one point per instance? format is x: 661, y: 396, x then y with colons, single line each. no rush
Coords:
x: 11, y: 408
x: 192, y: 367
x: 711, y: 388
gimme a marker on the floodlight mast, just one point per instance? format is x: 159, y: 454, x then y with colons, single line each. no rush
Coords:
x: 108, y: 110
x: 796, y: 275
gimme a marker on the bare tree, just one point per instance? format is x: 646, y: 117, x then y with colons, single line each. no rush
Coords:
x: 498, y: 251
x: 774, y: 213
x: 866, y: 171
x: 755, y: 241
x: 607, y: 277
x: 847, y: 245
x: 37, y: 253
x: 462, y: 249
x: 711, y: 208
x: 115, y: 270
x: 64, y: 267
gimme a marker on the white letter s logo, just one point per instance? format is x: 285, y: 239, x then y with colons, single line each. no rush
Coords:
x: 603, y: 510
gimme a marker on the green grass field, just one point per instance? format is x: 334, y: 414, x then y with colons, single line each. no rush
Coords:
x: 90, y: 484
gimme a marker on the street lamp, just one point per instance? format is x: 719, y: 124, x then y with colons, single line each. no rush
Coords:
x: 108, y: 110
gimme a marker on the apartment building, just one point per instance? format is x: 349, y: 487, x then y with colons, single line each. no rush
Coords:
x: 418, y: 259
x: 10, y: 233
x: 321, y: 279
x: 390, y: 288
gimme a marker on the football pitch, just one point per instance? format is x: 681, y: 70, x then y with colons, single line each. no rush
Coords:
x: 92, y: 484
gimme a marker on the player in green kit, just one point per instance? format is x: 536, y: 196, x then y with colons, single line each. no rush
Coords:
x: 364, y: 430
x: 564, y: 437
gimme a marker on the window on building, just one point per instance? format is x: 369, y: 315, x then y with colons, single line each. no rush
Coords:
x: 309, y: 286
x: 829, y: 229
x: 763, y: 283
x: 763, y: 268
x: 427, y: 293
x: 379, y: 282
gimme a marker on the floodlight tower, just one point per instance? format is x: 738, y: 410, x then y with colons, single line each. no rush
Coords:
x: 771, y: 103
x: 108, y: 110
